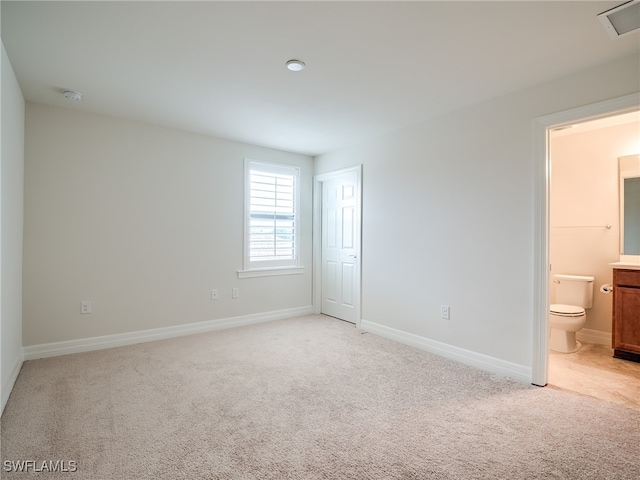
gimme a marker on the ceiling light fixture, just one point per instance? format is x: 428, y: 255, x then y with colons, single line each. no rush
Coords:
x: 295, y: 65
x: 71, y: 95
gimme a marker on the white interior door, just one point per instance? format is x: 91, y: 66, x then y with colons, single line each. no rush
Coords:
x: 340, y: 296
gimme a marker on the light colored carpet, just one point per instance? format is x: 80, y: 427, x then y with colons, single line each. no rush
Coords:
x: 304, y: 398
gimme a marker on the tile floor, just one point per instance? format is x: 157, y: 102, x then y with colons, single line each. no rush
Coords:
x: 593, y: 371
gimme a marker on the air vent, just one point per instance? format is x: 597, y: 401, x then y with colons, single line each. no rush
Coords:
x: 622, y: 20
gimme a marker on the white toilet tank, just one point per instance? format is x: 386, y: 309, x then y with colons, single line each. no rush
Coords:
x: 574, y: 290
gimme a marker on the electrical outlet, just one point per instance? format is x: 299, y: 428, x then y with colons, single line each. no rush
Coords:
x: 235, y: 293
x: 444, y: 312
x: 214, y: 294
x: 85, y: 306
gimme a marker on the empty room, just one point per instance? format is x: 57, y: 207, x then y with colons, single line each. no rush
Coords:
x: 320, y: 240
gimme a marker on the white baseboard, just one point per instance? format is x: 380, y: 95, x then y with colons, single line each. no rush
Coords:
x: 594, y: 336
x: 474, y: 359
x: 7, y: 384
x: 33, y: 352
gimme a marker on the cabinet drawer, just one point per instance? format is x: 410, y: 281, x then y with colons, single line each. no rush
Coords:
x: 627, y: 278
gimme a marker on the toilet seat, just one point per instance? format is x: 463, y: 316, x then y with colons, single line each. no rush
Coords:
x: 566, y: 310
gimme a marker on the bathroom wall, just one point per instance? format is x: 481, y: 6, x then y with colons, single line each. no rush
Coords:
x: 584, y: 199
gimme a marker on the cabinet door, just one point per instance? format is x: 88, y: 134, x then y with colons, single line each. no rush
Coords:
x: 627, y: 319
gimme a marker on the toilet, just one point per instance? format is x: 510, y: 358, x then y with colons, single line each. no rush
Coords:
x: 574, y: 293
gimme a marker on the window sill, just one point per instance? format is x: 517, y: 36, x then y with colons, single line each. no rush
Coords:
x: 269, y: 272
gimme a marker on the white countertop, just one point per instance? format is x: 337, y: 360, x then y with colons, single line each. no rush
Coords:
x: 629, y: 265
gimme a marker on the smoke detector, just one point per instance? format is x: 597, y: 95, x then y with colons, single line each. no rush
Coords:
x: 621, y: 20
x: 71, y: 95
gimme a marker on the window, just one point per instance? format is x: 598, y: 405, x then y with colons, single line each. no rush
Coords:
x: 271, y: 219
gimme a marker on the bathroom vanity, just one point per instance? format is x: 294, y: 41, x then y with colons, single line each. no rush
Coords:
x: 626, y: 314
x: 625, y: 334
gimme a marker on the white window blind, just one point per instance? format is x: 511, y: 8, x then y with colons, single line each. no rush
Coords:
x: 271, y: 219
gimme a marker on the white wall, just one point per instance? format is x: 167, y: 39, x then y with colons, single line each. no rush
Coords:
x: 584, y: 199
x: 11, y: 214
x: 448, y: 216
x: 142, y: 221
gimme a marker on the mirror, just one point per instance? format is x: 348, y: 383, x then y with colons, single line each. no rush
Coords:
x: 629, y: 170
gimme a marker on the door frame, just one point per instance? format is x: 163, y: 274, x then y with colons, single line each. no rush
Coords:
x: 318, y: 180
x: 542, y: 183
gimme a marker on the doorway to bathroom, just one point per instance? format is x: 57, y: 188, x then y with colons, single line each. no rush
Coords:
x: 577, y: 230
x: 584, y: 238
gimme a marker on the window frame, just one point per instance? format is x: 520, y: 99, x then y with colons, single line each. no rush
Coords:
x: 261, y: 268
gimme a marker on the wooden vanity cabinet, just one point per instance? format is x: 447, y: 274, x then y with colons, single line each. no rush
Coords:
x: 626, y: 314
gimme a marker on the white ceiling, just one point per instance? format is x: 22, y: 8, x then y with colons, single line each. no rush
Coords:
x: 218, y: 68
